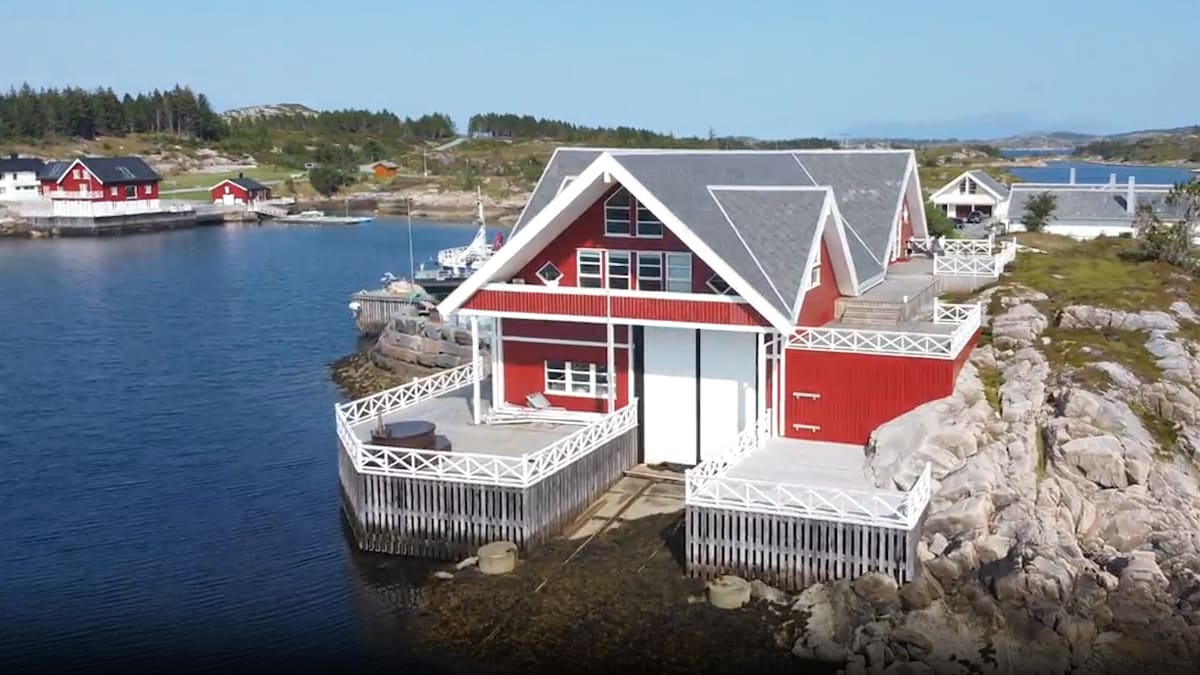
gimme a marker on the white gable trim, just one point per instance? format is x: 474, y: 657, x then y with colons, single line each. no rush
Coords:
x: 70, y: 166
x: 696, y: 246
x: 945, y: 189
x: 893, y: 232
x: 541, y: 178
x: 814, y: 255
x: 520, y: 240
x: 842, y: 261
x: 922, y: 233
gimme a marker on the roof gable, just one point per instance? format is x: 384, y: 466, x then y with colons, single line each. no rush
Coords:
x: 564, y: 163
x: 110, y: 170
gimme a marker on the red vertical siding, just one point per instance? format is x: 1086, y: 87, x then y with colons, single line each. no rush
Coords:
x: 859, y: 392
x: 623, y: 307
x: 240, y: 194
x: 525, y: 373
x: 906, y: 228
x: 817, y: 306
x: 562, y: 330
x: 588, y: 232
x: 87, y: 182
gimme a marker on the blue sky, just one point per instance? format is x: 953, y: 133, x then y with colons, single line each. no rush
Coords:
x: 767, y: 68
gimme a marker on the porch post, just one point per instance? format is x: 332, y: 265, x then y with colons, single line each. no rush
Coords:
x: 612, y: 369
x: 477, y: 367
x: 780, y: 416
x: 762, y: 376
x: 497, y: 364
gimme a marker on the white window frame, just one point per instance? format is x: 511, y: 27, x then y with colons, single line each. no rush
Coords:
x: 658, y: 280
x: 641, y: 208
x: 611, y: 275
x: 578, y: 379
x: 716, y: 277
x: 671, y: 285
x: 627, y: 222
x: 544, y: 280
x: 579, y: 274
x: 814, y: 275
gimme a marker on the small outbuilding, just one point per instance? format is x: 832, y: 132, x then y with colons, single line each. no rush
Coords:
x: 381, y: 169
x: 240, y: 190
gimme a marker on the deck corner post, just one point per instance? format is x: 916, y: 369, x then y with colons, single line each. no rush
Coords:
x: 476, y: 368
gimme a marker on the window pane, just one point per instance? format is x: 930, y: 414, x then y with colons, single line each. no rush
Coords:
x: 590, y: 282
x: 679, y: 272
x: 648, y: 225
x: 589, y: 256
x: 650, y: 284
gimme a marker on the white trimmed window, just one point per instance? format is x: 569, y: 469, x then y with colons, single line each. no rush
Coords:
x: 679, y: 272
x: 649, y: 271
x: 719, y: 286
x: 590, y: 266
x: 618, y: 269
x: 549, y: 274
x: 648, y: 224
x: 618, y: 214
x: 574, y: 378
x: 814, y: 275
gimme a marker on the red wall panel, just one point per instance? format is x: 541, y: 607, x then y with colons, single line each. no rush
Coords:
x: 859, y: 392
x: 588, y: 232
x: 817, y: 306
x: 561, y: 330
x: 525, y: 373
x: 659, y: 309
x: 240, y: 194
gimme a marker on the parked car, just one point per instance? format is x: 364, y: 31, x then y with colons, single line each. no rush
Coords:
x: 975, y: 217
x: 959, y: 223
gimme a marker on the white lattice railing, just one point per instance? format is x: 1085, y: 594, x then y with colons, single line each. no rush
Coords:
x: 947, y: 313
x: 409, y: 394
x: 919, y: 495
x: 972, y: 262
x: 967, y: 318
x: 752, y: 438
x: 464, y: 467
x: 548, y: 460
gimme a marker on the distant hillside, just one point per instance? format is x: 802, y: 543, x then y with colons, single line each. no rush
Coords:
x: 253, y: 112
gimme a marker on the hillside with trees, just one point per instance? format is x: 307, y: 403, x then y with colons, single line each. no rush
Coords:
x: 72, y: 112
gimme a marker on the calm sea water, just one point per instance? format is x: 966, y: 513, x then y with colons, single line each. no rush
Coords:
x: 169, y: 484
x: 1087, y: 172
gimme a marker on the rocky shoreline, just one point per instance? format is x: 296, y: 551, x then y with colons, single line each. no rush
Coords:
x: 449, y: 205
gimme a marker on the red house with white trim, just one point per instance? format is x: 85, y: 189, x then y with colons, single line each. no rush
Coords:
x: 720, y: 288
x: 101, y: 186
x: 240, y: 190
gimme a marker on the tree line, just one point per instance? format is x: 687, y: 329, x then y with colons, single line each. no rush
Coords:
x: 75, y: 112
x: 508, y: 125
x: 382, y: 123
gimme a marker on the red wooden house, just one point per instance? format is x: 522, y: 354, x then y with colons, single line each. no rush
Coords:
x: 100, y: 179
x: 719, y: 288
x: 240, y: 190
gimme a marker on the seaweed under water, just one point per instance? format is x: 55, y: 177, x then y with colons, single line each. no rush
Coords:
x: 623, y: 604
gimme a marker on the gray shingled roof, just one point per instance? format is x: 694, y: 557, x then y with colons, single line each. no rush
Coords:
x: 16, y: 164
x: 565, y: 162
x: 866, y: 187
x: 1087, y: 206
x: 248, y: 183
x: 109, y: 170
x: 992, y: 184
x: 759, y: 215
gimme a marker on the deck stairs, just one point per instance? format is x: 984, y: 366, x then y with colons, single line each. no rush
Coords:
x: 899, y: 299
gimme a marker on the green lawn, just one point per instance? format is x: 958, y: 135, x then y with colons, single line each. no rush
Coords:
x: 207, y: 180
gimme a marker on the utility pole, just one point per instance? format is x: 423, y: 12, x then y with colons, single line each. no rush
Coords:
x: 425, y: 163
x: 411, y: 261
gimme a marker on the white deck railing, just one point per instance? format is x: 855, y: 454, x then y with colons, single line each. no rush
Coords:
x: 974, y: 258
x: 708, y: 484
x: 464, y: 467
x: 896, y: 342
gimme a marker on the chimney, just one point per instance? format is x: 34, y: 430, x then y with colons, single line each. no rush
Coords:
x: 241, y: 175
x: 1112, y: 179
x: 1071, y: 180
x: 1130, y: 197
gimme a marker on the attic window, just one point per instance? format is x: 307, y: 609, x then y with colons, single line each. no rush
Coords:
x: 648, y: 224
x: 617, y: 212
x: 718, y: 285
x: 549, y: 274
x: 814, y: 276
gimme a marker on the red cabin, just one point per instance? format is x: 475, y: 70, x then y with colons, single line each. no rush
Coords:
x: 718, y: 288
x: 240, y: 190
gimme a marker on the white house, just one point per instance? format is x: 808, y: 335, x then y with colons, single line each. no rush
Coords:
x: 19, y: 178
x: 971, y: 191
x: 1086, y: 211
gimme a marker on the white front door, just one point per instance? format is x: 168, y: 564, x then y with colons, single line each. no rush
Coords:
x: 728, y: 392
x: 669, y: 395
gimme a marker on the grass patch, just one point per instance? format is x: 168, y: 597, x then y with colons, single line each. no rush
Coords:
x: 207, y: 180
x: 1098, y: 272
x: 1073, y: 350
x: 1161, y: 429
x: 1039, y: 446
x: 990, y: 376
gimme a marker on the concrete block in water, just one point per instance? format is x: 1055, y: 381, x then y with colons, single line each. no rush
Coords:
x: 432, y: 331
x: 430, y: 345
x: 450, y: 361
x: 462, y: 337
x: 729, y: 592
x: 426, y: 359
x: 405, y: 341
x: 409, y: 325
x: 498, y: 557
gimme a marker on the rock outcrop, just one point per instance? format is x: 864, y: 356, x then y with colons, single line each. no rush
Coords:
x: 1063, y: 535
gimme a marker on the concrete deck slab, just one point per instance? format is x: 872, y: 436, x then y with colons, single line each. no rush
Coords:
x: 925, y: 327
x: 452, y: 415
x: 896, y: 288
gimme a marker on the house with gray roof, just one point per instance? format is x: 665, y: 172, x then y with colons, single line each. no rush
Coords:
x: 753, y: 315
x: 19, y: 178
x: 971, y: 191
x: 1086, y: 211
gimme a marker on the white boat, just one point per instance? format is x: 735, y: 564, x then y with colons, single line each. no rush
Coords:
x: 319, y: 218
